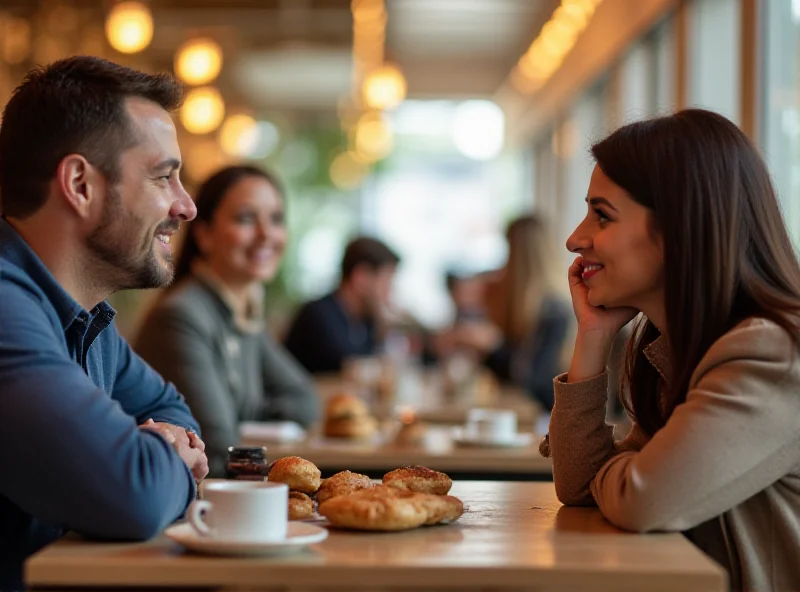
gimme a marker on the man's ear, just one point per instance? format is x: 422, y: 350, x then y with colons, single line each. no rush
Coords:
x: 79, y: 183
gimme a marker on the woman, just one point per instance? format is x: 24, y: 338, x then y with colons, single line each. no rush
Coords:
x: 207, y: 334
x: 530, y: 312
x: 683, y: 226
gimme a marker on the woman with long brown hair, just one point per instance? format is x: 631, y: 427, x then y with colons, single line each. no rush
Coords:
x: 684, y: 228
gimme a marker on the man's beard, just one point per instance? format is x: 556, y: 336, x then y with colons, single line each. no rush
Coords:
x: 123, y: 265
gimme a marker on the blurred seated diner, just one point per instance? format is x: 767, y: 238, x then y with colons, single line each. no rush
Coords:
x: 207, y: 333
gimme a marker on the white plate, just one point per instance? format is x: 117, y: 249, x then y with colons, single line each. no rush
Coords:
x: 281, y: 432
x: 461, y: 438
x: 298, y: 536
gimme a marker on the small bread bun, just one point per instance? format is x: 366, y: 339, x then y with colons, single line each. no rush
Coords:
x: 298, y: 473
x: 301, y: 507
x: 418, y: 479
x: 343, y: 483
x: 344, y: 406
x: 359, y: 428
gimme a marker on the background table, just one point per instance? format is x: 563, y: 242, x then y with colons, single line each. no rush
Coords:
x: 439, y: 452
x: 514, y: 536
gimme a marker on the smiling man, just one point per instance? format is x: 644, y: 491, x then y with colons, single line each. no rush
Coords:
x: 93, y: 440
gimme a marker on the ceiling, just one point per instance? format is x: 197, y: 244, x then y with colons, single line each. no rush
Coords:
x: 295, y: 54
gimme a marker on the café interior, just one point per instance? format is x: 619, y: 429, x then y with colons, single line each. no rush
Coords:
x: 434, y: 127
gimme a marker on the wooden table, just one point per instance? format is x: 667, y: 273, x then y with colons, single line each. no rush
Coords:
x: 514, y: 536
x: 439, y: 452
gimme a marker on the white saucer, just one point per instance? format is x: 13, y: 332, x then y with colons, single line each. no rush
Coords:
x: 298, y: 536
x: 462, y: 438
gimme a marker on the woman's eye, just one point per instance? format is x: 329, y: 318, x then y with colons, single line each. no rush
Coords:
x: 245, y: 218
x: 601, y: 215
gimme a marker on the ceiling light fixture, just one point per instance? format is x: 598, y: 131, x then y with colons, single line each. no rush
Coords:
x: 129, y: 27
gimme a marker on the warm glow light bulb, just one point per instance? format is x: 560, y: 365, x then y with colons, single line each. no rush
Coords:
x: 238, y: 135
x: 385, y: 88
x: 374, y: 138
x: 129, y: 27
x: 347, y: 172
x: 199, y: 61
x: 203, y: 110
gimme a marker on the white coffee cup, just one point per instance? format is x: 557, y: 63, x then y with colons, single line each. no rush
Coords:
x: 496, y: 425
x: 242, y: 511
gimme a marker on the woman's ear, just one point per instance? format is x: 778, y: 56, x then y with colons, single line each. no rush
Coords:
x: 202, y: 236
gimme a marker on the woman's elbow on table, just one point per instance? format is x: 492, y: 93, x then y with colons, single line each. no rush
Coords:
x: 573, y: 493
x: 643, y: 515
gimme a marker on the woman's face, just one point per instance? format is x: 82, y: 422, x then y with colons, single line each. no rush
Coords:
x: 246, y: 238
x: 622, y: 254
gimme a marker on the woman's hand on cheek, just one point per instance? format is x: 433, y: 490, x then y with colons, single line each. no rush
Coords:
x: 604, y: 322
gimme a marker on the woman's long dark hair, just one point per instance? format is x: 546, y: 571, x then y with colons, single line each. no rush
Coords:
x: 209, y: 196
x: 727, y: 255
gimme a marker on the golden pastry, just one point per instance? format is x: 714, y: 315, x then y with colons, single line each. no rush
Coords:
x: 442, y: 509
x: 343, y: 483
x: 301, y: 507
x: 347, y: 416
x: 418, y: 479
x: 374, y: 509
x: 298, y: 473
x: 384, y: 508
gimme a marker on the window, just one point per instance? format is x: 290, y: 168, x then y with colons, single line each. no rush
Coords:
x: 781, y: 107
x: 713, y: 56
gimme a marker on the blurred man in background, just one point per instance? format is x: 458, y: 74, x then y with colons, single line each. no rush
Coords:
x: 349, y: 322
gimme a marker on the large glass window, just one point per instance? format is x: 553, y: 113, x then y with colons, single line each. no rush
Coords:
x: 713, y: 56
x: 636, y: 100
x: 663, y: 72
x: 781, y: 104
x: 585, y: 124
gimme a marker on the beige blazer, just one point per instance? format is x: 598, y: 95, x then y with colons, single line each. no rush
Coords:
x: 725, y: 469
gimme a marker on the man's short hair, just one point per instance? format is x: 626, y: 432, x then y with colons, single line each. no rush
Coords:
x: 369, y: 252
x: 73, y: 106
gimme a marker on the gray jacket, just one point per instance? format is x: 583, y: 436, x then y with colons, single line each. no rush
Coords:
x: 226, y: 374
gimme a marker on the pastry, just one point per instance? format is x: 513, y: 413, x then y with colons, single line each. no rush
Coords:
x: 384, y: 508
x: 347, y: 416
x: 298, y: 473
x: 301, y: 507
x: 343, y: 483
x: 375, y: 509
x: 418, y: 479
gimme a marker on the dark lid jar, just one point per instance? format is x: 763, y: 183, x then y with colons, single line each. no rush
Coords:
x: 247, y: 463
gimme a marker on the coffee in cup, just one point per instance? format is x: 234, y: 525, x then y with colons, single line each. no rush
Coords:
x: 496, y: 425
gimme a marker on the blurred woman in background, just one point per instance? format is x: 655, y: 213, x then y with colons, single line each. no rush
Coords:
x: 530, y: 318
x: 207, y: 334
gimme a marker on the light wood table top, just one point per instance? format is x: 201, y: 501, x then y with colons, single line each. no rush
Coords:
x: 439, y: 452
x: 514, y: 536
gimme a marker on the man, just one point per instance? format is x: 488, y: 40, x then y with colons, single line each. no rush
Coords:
x: 348, y: 322
x: 93, y: 440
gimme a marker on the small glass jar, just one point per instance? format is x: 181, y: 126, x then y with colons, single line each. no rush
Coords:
x: 247, y: 463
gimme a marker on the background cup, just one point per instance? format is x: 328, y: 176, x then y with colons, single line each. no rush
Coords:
x: 492, y: 424
x: 242, y: 511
